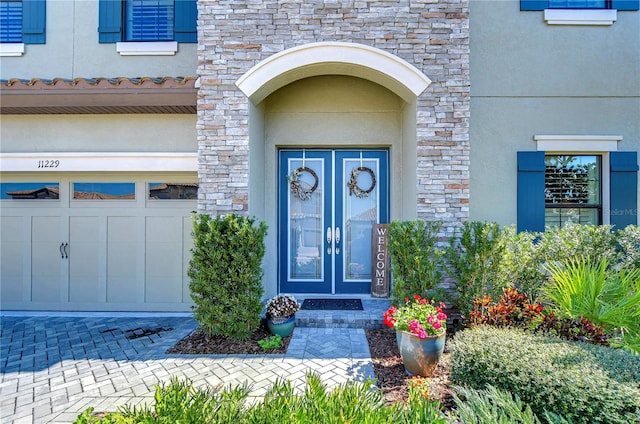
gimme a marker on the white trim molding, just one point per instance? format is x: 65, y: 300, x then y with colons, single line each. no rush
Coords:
x: 340, y: 58
x: 577, y: 143
x: 145, y: 48
x: 580, y: 16
x: 99, y: 162
x: 11, y: 49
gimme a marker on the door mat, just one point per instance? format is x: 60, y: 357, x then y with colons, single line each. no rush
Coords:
x: 332, y: 304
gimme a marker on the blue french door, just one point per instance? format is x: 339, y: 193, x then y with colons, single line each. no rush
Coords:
x: 328, y: 203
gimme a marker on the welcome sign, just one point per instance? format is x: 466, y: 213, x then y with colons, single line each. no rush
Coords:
x: 380, y: 260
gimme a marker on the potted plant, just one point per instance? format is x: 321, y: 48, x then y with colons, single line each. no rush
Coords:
x: 281, y: 314
x: 421, y: 330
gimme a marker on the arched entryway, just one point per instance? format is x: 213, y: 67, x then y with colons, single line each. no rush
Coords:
x: 329, y: 100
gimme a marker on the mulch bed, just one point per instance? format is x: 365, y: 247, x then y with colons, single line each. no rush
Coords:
x: 389, y: 371
x: 387, y: 363
x: 199, y: 342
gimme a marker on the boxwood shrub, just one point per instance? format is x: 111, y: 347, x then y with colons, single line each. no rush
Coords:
x: 584, y: 383
x: 226, y: 274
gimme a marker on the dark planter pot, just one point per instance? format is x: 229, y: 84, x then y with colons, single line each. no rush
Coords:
x: 282, y: 327
x: 420, y: 356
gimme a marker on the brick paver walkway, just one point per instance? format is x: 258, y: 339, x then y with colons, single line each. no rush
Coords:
x: 53, y: 368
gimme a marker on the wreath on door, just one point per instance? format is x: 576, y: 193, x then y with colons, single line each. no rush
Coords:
x: 296, y: 185
x: 354, y: 189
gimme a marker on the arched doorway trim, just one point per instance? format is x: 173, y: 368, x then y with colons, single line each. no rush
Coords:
x: 333, y: 58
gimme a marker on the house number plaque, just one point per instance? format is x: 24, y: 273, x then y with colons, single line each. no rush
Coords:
x: 48, y: 163
x: 380, y: 260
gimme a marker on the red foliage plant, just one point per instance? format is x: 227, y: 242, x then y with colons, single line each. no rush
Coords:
x: 514, y: 309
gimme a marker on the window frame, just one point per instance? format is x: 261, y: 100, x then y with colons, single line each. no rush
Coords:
x: 599, y: 207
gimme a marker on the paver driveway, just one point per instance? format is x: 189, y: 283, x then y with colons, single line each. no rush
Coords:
x: 53, y: 368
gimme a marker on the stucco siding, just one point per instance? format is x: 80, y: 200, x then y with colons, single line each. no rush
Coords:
x: 529, y: 78
x: 504, y: 126
x: 98, y: 133
x: 72, y: 50
x: 516, y: 53
x: 325, y: 111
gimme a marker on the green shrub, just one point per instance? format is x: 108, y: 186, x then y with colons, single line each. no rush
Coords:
x: 226, y: 274
x: 415, y: 259
x: 629, y: 243
x: 561, y: 244
x: 474, y: 261
x: 491, y: 406
x: 352, y: 402
x: 608, y: 297
x: 581, y: 382
x: 521, y: 265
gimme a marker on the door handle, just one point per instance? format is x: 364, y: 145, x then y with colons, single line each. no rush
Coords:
x: 328, y: 240
x: 66, y: 250
x: 61, y: 251
x: 337, y: 240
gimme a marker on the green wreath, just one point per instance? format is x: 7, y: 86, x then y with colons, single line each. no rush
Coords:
x: 296, y: 185
x: 353, y: 182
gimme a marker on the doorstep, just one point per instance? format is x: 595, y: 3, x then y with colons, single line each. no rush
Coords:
x: 369, y: 317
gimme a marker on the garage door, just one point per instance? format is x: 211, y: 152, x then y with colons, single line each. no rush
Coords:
x: 81, y: 243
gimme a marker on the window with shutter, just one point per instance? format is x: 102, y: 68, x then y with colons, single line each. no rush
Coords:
x: 557, y: 188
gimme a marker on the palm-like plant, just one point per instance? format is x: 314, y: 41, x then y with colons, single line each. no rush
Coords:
x: 605, y: 296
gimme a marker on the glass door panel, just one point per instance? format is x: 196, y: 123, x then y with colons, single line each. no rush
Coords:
x: 361, y: 202
x: 305, y: 213
x: 306, y: 219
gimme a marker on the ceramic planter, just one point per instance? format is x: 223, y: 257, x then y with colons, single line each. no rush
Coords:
x: 282, y: 327
x: 420, y: 356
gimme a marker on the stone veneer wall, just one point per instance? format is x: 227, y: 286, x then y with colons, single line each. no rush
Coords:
x: 432, y: 35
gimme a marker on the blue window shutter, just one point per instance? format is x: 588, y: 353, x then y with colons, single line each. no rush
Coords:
x: 625, y: 4
x: 33, y: 21
x: 531, y: 191
x: 186, y: 16
x: 534, y: 4
x: 624, y: 189
x: 110, y: 21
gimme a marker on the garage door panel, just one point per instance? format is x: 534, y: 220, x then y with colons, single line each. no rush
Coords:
x: 163, y: 259
x: 97, y: 251
x: 187, y: 242
x: 12, y: 244
x: 84, y: 259
x: 122, y: 259
x: 46, y: 259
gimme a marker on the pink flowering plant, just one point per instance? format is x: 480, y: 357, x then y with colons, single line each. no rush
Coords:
x: 418, y: 316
